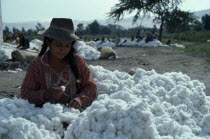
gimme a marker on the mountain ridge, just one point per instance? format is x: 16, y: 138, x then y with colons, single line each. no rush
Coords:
x: 126, y: 22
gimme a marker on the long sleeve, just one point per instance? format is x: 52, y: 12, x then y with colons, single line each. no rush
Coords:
x: 30, y: 88
x: 88, y: 91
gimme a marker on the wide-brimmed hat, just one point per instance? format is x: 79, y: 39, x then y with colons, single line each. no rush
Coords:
x: 61, y: 29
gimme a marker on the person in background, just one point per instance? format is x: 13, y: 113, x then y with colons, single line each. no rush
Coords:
x: 155, y: 35
x: 23, y: 41
x: 118, y: 40
x: 142, y: 34
x: 58, y: 74
x: 149, y: 38
x: 103, y: 39
x: 138, y: 35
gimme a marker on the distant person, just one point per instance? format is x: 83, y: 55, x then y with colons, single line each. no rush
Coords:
x: 14, y: 39
x: 118, y: 40
x: 132, y: 38
x: 138, y: 35
x: 103, y: 39
x: 155, y: 35
x: 142, y: 34
x: 24, y: 42
x: 58, y: 74
x: 8, y: 38
x: 149, y: 38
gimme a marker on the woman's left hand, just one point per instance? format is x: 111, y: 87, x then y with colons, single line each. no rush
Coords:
x: 74, y: 103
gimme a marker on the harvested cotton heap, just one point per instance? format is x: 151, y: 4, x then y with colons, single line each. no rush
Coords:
x: 99, y: 44
x: 87, y: 52
x: 5, y: 51
x: 35, y: 45
x: 22, y: 120
x: 177, y: 45
x: 146, y: 105
x: 142, y: 43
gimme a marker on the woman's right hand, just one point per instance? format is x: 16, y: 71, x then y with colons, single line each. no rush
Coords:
x: 53, y: 93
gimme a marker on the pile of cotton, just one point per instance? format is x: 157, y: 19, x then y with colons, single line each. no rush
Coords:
x: 177, y: 45
x: 3, y: 56
x: 5, y: 51
x: 142, y: 43
x: 36, y: 42
x: 35, y: 45
x: 99, y: 44
x: 87, y: 52
x: 145, y: 105
x: 21, y: 120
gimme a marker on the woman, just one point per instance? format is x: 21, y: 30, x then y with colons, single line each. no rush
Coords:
x: 59, y: 75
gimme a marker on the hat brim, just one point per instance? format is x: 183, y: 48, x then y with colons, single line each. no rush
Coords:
x: 59, y: 35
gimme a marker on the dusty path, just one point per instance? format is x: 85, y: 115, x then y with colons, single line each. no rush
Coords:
x: 161, y: 59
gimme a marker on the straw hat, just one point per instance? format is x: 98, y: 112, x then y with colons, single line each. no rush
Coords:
x: 61, y: 29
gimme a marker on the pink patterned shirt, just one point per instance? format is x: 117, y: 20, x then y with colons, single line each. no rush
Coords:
x: 41, y: 76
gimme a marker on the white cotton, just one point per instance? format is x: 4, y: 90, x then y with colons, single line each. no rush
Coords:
x: 87, y: 52
x: 45, y: 121
x: 99, y: 44
x: 5, y: 51
x: 19, y: 128
x: 63, y: 88
x: 142, y: 43
x: 35, y: 45
x: 177, y: 45
x: 145, y: 105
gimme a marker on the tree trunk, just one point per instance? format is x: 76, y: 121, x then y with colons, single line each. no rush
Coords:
x: 161, y: 31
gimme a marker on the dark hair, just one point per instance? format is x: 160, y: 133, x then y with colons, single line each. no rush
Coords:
x: 70, y: 56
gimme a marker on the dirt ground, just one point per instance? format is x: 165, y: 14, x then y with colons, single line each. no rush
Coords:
x: 161, y: 59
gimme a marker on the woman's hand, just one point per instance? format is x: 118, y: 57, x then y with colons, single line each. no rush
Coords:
x: 75, y: 103
x: 53, y: 93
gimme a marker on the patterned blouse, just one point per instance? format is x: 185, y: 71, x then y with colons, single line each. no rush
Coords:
x: 41, y: 76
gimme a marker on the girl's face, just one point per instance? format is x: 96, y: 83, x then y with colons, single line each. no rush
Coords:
x: 59, y: 49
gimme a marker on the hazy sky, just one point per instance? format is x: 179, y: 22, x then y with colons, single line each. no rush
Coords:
x: 45, y: 10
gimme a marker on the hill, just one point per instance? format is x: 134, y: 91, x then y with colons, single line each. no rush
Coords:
x: 126, y: 23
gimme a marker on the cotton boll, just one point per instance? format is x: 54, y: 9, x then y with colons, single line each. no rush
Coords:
x: 206, y: 124
x: 125, y: 95
x: 63, y: 88
x: 157, y: 109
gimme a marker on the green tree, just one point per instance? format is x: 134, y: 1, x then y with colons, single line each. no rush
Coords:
x: 179, y: 21
x: 93, y: 28
x: 159, y: 8
x: 15, y: 30
x: 39, y: 27
x: 206, y: 21
x: 80, y: 29
x: 105, y: 30
x: 23, y: 30
x: 6, y: 30
x: 197, y: 26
